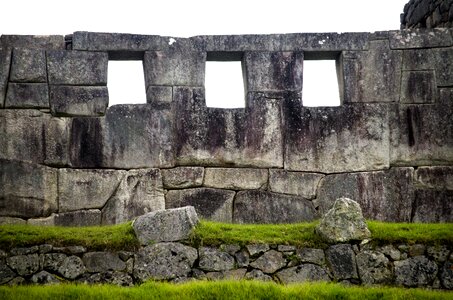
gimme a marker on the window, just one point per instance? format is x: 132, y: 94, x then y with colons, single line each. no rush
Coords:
x: 320, y: 83
x: 126, y: 82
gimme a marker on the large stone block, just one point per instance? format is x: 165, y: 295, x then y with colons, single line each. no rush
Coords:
x: 102, y: 262
x: 418, y: 87
x: 174, y: 67
x: 436, y: 178
x: 373, y: 75
x: 139, y: 192
x: 78, y: 100
x: 77, y: 67
x: 27, y: 190
x: 86, y: 143
x: 182, y: 177
x: 336, y: 139
x: 235, y: 178
x: 416, y: 271
x: 90, y: 217
x: 294, y: 183
x: 159, y: 94
x: 433, y: 206
x: 28, y: 65
x: 32, y: 41
x: 382, y: 195
x: 303, y: 273
x: 264, y: 207
x: 212, y: 204
x: 5, y: 64
x: 30, y: 135
x: 273, y: 71
x: 27, y: 95
x: 342, y: 260
x: 228, y: 137
x: 420, y: 38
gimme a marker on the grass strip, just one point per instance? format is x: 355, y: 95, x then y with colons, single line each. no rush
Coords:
x: 218, y: 290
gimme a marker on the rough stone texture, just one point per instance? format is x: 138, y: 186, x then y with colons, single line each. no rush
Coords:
x: 382, y: 195
x: 27, y: 190
x: 415, y: 272
x: 302, y: 273
x: 318, y: 139
x: 159, y: 94
x: 30, y: 135
x: 420, y: 38
x: 439, y: 253
x: 5, y: 64
x: 90, y: 217
x: 139, y: 192
x: 72, y: 267
x: 342, y: 260
x: 211, y: 204
x: 437, y: 178
x: 294, y: 183
x: 446, y: 276
x: 418, y: 87
x: 212, y: 259
x: 165, y: 225
x: 228, y: 137
x: 78, y: 100
x: 432, y: 206
x: 242, y: 258
x: 32, y: 41
x: 52, y: 261
x: 265, y: 207
x: 12, y: 221
x: 182, y: 177
x: 257, y: 249
x: 27, y: 95
x: 235, y: 178
x: 24, y: 264
x: 103, y: 262
x: 6, y: 274
x: 164, y: 261
x: 28, y: 65
x: 174, y: 67
x: 374, y: 268
x: 273, y: 71
x: 390, y: 251
x: 344, y: 222
x: 269, y: 262
x: 44, y: 277
x: 312, y: 255
x: 77, y: 67
x: 257, y: 275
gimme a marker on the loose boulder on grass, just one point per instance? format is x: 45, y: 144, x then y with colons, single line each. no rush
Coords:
x: 168, y: 225
x: 344, y: 222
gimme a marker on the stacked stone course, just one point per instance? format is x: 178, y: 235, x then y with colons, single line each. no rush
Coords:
x: 427, y: 14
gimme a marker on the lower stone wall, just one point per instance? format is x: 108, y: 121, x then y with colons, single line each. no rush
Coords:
x: 427, y: 14
x: 400, y: 265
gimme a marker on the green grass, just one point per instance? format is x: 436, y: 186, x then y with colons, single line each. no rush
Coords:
x: 212, y: 233
x: 218, y: 290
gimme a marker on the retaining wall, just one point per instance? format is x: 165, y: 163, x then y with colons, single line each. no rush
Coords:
x: 427, y: 14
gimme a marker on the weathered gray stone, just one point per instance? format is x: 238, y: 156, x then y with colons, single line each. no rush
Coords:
x: 27, y: 190
x: 32, y: 41
x: 273, y: 71
x: 237, y: 274
x: 27, y: 95
x: 211, y: 204
x: 85, y: 188
x: 390, y: 251
x: 382, y: 195
x: 235, y: 178
x: 269, y: 262
x: 6, y: 274
x: 159, y: 94
x: 174, y: 67
x: 182, y: 177
x: 242, y: 258
x: 257, y: 249
x: 420, y: 38
x: 344, y: 222
x: 249, y: 137
x: 48, y: 221
x: 286, y: 248
x: 230, y: 248
x: 294, y: 183
x: 90, y: 217
x: 437, y: 178
x: 30, y: 135
x: 24, y: 250
x: 415, y: 272
x: 257, y: 275
x: 418, y: 87
x: 44, y: 277
x: 73, y: 250
x: 446, y: 277
x: 374, y: 268
x: 312, y: 255
x: 12, y: 221
x: 28, y: 65
x: 139, y: 192
x: 318, y: 139
x: 45, y: 248
x: 52, y: 261
x: 17, y: 281
x: 212, y: 259
x: 302, y: 273
x: 439, y: 253
x: 5, y: 64
x: 78, y: 100
x: 165, y: 225
x: 24, y: 264
x: 264, y: 207
x: 72, y: 267
x: 77, y: 67
x: 86, y: 142
x: 342, y: 261
x: 103, y: 262
x: 431, y: 206
x: 164, y: 261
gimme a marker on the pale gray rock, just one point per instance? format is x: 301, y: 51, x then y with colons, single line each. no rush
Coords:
x: 286, y: 248
x: 24, y: 250
x: 6, y: 274
x: 235, y: 178
x: 12, y: 221
x: 257, y: 249
x: 164, y: 261
x: 72, y: 267
x: 342, y: 261
x: 24, y: 264
x: 165, y: 225
x: 182, y: 177
x: 294, y: 183
x: 374, y: 268
x: 269, y: 262
x: 32, y: 41
x: 390, y: 251
x: 419, y: 38
x: 103, y: 262
x: 78, y: 100
x: 159, y: 94
x: 303, y: 273
x: 44, y: 277
x: 212, y: 259
x: 416, y: 271
x: 28, y: 65
x: 439, y: 253
x: 48, y: 221
x: 311, y: 255
x: 257, y: 275
x: 52, y: 261
x: 27, y: 95
x: 242, y: 258
x: 343, y: 222
x: 90, y: 217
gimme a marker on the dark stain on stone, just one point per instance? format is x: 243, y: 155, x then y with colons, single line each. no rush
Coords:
x: 86, y: 143
x: 206, y: 201
x: 216, y: 129
x: 413, y: 125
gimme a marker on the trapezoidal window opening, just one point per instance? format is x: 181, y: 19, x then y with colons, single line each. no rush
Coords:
x: 320, y: 85
x: 126, y: 82
x: 224, y: 81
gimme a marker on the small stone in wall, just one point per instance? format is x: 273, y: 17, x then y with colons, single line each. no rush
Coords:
x: 343, y: 222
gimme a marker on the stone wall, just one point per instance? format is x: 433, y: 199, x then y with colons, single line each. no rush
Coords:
x: 401, y: 265
x: 66, y: 158
x: 427, y: 14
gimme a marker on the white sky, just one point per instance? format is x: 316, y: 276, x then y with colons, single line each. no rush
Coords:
x: 189, y: 18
